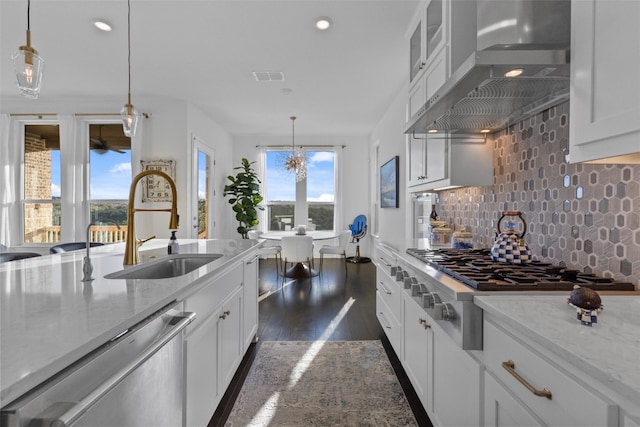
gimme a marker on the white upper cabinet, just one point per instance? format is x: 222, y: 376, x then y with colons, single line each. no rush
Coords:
x: 428, y: 59
x: 437, y: 162
x: 605, y: 89
x: 416, y: 51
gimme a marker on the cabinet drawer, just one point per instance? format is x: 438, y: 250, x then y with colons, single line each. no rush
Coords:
x: 390, y: 324
x: 571, y: 403
x: 205, y: 301
x: 390, y: 292
x: 384, y: 259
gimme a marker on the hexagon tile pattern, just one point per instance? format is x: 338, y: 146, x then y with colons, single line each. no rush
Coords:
x: 586, y: 217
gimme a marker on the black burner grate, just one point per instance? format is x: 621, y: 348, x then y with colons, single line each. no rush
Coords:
x: 475, y: 268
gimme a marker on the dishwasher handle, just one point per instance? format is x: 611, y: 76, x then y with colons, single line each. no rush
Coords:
x: 73, y: 413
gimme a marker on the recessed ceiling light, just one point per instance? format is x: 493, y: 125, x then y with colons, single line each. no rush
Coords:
x: 514, y: 73
x: 101, y: 24
x: 485, y: 131
x: 433, y: 131
x: 323, y: 23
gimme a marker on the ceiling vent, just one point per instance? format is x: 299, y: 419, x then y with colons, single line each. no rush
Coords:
x: 268, y: 76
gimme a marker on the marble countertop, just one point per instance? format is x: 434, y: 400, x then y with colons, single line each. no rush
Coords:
x: 50, y: 318
x: 608, y: 351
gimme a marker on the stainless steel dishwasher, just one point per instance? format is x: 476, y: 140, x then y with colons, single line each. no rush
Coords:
x: 135, y: 379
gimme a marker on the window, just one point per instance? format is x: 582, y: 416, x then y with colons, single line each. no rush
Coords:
x: 202, y: 198
x: 310, y: 201
x: 109, y: 181
x: 41, y: 184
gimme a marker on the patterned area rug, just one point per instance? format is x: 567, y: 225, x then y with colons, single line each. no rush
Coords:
x: 321, y: 383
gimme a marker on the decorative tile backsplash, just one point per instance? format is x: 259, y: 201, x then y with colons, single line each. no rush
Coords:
x: 583, y: 216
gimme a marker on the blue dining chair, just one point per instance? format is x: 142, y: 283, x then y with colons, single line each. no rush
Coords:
x: 358, y: 231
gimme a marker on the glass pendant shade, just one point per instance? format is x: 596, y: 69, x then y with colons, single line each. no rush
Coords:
x: 130, y: 118
x: 28, y: 67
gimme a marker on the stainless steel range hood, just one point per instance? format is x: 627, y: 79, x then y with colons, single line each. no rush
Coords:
x: 532, y: 36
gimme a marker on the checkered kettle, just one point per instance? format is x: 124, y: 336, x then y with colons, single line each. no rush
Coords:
x: 510, y: 246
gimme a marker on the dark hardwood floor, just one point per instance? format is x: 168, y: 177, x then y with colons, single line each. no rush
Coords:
x: 334, y: 306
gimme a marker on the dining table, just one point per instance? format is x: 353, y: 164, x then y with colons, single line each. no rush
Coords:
x: 299, y: 270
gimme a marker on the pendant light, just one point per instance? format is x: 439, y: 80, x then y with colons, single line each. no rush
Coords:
x: 129, y: 114
x: 296, y: 162
x: 28, y: 65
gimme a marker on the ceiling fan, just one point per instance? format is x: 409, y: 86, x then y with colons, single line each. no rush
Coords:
x: 100, y: 145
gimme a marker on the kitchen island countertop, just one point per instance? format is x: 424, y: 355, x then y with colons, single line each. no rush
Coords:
x: 607, y: 351
x: 50, y: 318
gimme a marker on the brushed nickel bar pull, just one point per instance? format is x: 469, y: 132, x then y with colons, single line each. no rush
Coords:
x: 385, y: 320
x: 385, y: 290
x: 384, y: 261
x: 510, y: 367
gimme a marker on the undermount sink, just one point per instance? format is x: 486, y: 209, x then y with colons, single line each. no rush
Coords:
x: 165, y: 268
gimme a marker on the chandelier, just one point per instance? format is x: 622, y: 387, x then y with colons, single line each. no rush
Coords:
x: 297, y: 160
x: 28, y: 65
x: 129, y: 114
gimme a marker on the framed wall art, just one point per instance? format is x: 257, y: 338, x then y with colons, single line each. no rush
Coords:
x: 154, y: 187
x: 389, y: 183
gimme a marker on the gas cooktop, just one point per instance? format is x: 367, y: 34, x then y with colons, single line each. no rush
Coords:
x: 475, y: 268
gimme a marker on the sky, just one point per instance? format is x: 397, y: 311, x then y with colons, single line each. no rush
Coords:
x: 111, y: 176
x: 281, y: 184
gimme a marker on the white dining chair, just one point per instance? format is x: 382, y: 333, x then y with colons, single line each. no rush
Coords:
x: 275, y: 250
x: 297, y: 249
x: 340, y: 249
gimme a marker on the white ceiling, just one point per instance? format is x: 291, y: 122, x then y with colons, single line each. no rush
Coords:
x: 205, y: 51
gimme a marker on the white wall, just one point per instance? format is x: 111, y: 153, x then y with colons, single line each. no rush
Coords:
x: 356, y: 181
x: 166, y: 135
x: 203, y: 127
x: 390, y: 141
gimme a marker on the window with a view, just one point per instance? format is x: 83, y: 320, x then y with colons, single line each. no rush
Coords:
x: 310, y: 201
x: 41, y: 181
x: 110, y: 179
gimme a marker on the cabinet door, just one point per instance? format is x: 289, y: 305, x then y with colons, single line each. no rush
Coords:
x: 416, y: 154
x: 416, y: 51
x: 502, y: 409
x: 435, y: 33
x: 605, y: 89
x: 452, y: 367
x: 417, y: 97
x: 417, y: 349
x: 436, y: 74
x: 201, y: 388
x: 230, y: 339
x: 250, y: 300
x: 437, y: 159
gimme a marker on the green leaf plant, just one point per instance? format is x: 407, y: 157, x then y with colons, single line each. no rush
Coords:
x: 244, y: 190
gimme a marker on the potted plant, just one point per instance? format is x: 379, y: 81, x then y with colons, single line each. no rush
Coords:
x: 245, y: 197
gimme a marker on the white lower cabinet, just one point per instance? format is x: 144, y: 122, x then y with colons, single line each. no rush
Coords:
x: 501, y: 409
x: 445, y: 377
x: 250, y: 299
x: 226, y: 322
x: 418, y: 350
x: 457, y: 382
x: 523, y: 386
x: 389, y: 307
x: 229, y: 339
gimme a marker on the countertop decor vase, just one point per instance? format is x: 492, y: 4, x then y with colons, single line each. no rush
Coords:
x: 510, y: 246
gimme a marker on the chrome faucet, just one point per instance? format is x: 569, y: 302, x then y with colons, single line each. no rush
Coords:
x: 131, y: 255
x: 87, y: 268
